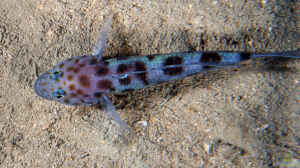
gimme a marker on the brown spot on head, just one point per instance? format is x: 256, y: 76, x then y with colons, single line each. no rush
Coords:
x: 125, y: 81
x: 61, y: 65
x: 244, y: 56
x: 70, y: 77
x: 84, y: 81
x: 72, y: 87
x: 79, y: 91
x: 151, y: 57
x: 93, y: 61
x: 65, y: 83
x: 69, y: 69
x: 44, y: 83
x: 76, y: 70
x: 122, y: 68
x: 101, y: 71
x: 141, y: 71
x: 81, y: 65
x: 73, y: 95
x: 98, y: 94
x: 210, y: 57
x: 105, y: 85
x: 77, y: 61
x: 172, y: 61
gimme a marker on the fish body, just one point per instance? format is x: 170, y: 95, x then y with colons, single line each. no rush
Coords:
x: 85, y: 80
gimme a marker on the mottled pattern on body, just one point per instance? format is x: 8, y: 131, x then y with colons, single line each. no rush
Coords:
x: 83, y: 79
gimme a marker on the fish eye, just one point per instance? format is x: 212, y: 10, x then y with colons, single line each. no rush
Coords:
x: 56, y: 75
x: 59, y: 93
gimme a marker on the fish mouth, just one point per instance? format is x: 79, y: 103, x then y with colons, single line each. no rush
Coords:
x: 40, y: 89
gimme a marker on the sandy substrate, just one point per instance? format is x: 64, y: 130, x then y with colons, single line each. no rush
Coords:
x: 241, y: 117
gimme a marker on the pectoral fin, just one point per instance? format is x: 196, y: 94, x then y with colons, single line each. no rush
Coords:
x: 102, y: 38
x: 112, y: 112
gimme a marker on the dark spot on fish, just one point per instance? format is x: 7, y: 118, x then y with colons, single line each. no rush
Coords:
x: 76, y: 70
x: 93, y: 61
x: 122, y: 68
x: 128, y: 90
x: 77, y: 61
x: 210, y: 57
x: 72, y: 87
x: 168, y: 70
x: 141, y: 71
x: 69, y: 69
x: 81, y: 65
x: 101, y: 70
x: 105, y: 85
x: 98, y: 94
x: 70, y: 77
x: 73, y: 95
x: 208, y: 67
x: 105, y: 62
x: 150, y: 57
x: 84, y: 81
x: 244, y: 56
x: 81, y: 92
x: 125, y: 81
x: 61, y: 65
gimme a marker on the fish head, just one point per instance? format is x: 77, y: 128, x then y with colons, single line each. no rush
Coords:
x: 71, y: 82
x: 48, y: 86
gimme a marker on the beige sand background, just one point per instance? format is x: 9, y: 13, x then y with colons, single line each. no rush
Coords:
x: 241, y: 117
